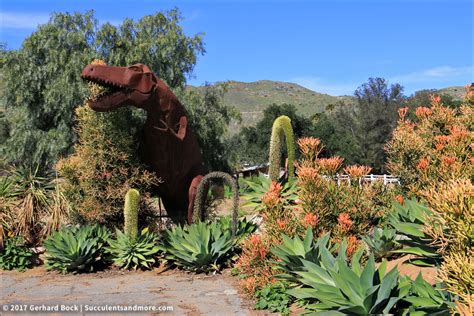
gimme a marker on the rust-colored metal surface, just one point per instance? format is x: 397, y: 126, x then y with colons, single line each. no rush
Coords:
x: 169, y: 146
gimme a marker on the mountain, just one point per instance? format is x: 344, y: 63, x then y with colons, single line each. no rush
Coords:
x: 251, y: 98
x: 457, y: 92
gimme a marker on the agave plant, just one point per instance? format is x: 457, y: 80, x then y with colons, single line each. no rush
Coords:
x: 201, y: 247
x: 382, y: 242
x: 423, y: 299
x: 408, y: 220
x: 244, y: 228
x: 132, y: 253
x: 292, y: 252
x: 76, y: 249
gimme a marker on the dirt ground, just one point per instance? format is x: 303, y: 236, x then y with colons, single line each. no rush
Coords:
x: 186, y: 293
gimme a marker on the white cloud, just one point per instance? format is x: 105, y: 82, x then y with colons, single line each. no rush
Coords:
x: 18, y: 20
x: 320, y: 85
x: 436, y: 74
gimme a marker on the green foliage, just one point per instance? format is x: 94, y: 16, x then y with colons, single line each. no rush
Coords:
x: 49, y: 64
x: 333, y: 285
x: 382, y: 242
x: 292, y: 253
x: 273, y: 297
x: 359, y: 133
x: 209, y: 119
x: 15, y: 255
x: 281, y: 128
x: 76, y: 249
x: 130, y: 212
x: 409, y: 220
x: 200, y: 247
x: 251, y: 145
x: 324, y: 282
x: 243, y: 230
x: 423, y: 299
x: 132, y: 253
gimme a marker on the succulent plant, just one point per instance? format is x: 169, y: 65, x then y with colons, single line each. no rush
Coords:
x: 281, y: 128
x: 130, y: 213
x: 132, y: 253
x: 202, y: 247
x: 76, y: 249
x: 382, y: 242
x: 199, y: 213
x: 408, y: 220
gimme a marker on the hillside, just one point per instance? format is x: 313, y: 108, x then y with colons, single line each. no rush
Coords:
x: 457, y: 92
x: 253, y: 97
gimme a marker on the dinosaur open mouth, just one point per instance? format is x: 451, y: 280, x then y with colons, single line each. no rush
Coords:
x: 99, y: 91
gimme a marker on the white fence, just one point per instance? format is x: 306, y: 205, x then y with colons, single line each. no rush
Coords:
x: 384, y: 178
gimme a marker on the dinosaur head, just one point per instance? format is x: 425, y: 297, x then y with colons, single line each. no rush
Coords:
x: 114, y: 87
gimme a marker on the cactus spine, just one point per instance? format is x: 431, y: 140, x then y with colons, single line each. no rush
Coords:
x: 281, y: 128
x: 201, y: 194
x: 130, y: 212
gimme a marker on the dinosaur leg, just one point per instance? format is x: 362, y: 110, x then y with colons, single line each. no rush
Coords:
x: 192, y: 196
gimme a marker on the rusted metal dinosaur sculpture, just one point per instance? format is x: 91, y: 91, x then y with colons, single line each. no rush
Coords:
x: 169, y: 147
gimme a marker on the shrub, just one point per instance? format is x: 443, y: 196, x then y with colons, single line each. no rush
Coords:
x: 15, y: 255
x: 130, y: 252
x: 104, y: 165
x: 254, y: 265
x: 352, y: 207
x: 437, y: 146
x: 200, y: 247
x: 433, y: 158
x: 76, y: 249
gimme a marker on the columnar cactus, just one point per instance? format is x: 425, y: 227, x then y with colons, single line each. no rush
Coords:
x: 202, y: 193
x: 281, y: 128
x: 130, y: 212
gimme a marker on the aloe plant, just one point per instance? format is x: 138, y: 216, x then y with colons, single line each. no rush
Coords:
x: 131, y: 253
x: 408, y: 220
x: 76, y: 249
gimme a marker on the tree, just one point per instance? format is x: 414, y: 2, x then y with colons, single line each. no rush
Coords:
x: 359, y: 132
x: 251, y: 145
x: 376, y: 117
x: 42, y: 82
x: 209, y: 118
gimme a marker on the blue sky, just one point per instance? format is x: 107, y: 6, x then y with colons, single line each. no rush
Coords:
x: 327, y: 46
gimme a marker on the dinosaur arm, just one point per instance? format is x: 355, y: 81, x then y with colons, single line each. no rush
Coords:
x: 183, y: 123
